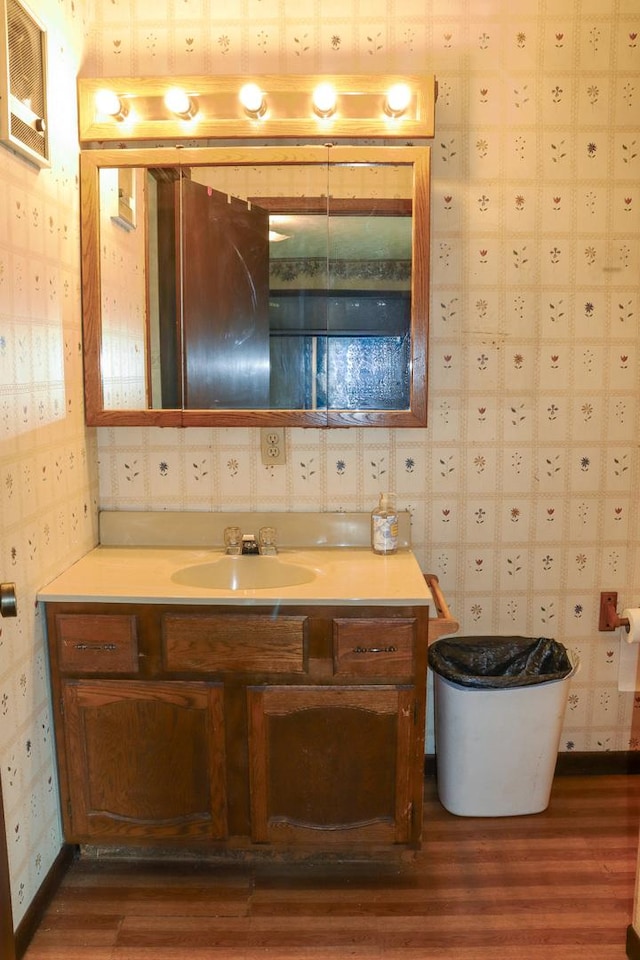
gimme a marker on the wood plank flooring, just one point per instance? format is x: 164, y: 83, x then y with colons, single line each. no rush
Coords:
x: 557, y: 885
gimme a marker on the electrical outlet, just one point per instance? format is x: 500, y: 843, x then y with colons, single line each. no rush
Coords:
x: 272, y: 446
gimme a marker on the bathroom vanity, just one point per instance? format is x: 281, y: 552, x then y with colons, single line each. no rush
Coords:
x: 280, y: 717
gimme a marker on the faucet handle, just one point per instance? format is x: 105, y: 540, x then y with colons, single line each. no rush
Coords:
x: 267, y: 541
x: 233, y: 540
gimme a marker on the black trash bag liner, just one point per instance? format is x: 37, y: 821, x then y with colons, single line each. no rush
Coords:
x: 499, y: 662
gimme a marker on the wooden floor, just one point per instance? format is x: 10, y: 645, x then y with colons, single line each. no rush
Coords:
x: 557, y: 885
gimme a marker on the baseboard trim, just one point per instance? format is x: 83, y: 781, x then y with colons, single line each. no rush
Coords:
x: 587, y: 763
x: 633, y: 943
x: 430, y: 765
x: 35, y: 912
x: 607, y: 763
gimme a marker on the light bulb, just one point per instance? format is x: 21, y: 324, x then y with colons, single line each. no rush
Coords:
x: 109, y: 104
x: 324, y: 100
x: 398, y: 99
x: 180, y: 103
x: 253, y: 100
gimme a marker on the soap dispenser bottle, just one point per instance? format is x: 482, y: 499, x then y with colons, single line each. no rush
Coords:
x: 384, y: 527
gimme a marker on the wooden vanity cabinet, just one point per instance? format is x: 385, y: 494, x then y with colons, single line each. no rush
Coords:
x: 281, y: 727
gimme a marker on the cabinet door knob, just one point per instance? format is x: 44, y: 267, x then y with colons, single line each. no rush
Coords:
x: 8, y: 602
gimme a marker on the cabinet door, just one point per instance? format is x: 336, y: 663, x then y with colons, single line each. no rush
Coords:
x: 144, y: 760
x: 333, y: 764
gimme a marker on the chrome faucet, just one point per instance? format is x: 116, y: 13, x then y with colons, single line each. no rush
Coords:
x: 245, y: 544
x: 249, y: 545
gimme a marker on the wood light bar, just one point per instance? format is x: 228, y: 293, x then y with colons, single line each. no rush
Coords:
x: 135, y: 109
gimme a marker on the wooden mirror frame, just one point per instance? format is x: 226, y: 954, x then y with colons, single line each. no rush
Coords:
x: 92, y: 161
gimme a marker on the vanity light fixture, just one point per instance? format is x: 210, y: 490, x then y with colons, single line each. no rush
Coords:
x: 397, y: 100
x: 325, y: 100
x: 253, y: 100
x: 180, y: 103
x: 228, y: 106
x: 109, y: 104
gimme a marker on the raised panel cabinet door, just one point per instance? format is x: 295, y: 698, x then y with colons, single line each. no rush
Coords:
x: 333, y: 764
x: 144, y: 760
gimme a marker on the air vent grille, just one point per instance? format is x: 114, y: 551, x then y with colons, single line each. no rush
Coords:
x: 26, y: 62
x: 23, y: 120
x: 25, y: 134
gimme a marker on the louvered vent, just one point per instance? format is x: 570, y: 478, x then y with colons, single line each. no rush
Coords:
x: 23, y: 96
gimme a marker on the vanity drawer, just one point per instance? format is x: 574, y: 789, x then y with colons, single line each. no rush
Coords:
x: 374, y: 648
x: 96, y: 643
x: 250, y: 644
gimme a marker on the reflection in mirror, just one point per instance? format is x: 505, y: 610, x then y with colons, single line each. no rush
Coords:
x: 124, y: 359
x: 213, y: 300
x: 281, y: 367
x: 368, y: 357
x: 241, y: 287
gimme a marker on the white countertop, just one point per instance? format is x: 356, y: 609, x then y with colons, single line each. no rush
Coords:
x: 345, y: 575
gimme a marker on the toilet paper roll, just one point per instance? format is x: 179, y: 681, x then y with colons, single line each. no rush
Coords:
x: 632, y: 614
x: 628, y: 663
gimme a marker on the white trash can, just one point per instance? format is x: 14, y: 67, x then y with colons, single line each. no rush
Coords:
x: 496, y: 749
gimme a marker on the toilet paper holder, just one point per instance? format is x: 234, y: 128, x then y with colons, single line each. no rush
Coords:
x: 609, y: 619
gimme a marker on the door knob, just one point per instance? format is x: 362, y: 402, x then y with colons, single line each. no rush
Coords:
x: 8, y: 602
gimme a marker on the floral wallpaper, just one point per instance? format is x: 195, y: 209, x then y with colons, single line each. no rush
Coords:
x: 48, y: 470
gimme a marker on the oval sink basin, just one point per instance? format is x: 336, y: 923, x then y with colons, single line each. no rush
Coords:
x: 244, y: 573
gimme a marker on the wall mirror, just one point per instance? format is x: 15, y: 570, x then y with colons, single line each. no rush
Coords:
x: 255, y: 285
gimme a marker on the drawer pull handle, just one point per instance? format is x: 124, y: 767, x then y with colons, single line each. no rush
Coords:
x: 96, y: 646
x: 390, y: 649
